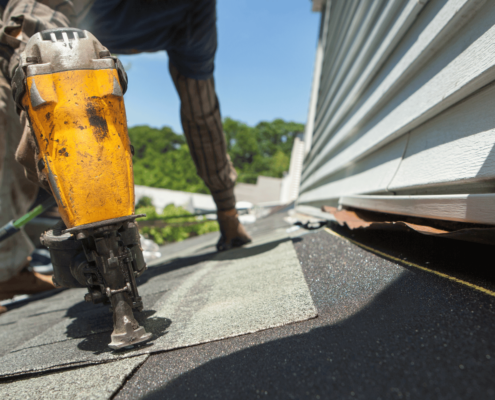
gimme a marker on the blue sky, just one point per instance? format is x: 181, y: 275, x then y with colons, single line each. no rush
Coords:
x: 263, y: 67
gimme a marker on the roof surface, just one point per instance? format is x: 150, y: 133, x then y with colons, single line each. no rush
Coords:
x: 241, y: 324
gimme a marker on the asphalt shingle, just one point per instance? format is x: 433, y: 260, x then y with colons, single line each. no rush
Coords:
x: 188, y: 301
x: 383, y: 331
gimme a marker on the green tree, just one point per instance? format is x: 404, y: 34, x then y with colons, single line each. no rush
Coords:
x: 261, y: 150
x: 162, y: 157
x: 277, y: 135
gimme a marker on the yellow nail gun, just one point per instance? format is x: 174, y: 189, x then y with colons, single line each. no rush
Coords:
x: 72, y: 90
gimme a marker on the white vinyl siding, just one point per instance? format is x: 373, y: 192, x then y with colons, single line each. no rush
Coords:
x: 406, y: 104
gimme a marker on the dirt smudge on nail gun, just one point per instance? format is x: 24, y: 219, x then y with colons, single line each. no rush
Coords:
x: 98, y: 123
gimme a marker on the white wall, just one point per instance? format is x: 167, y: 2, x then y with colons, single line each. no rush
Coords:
x: 405, y: 102
x: 291, y: 182
x: 192, y: 202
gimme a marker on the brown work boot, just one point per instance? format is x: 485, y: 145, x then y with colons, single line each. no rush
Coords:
x: 25, y: 282
x: 3, y: 309
x: 232, y: 231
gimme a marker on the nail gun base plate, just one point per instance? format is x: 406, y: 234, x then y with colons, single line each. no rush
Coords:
x: 103, y: 223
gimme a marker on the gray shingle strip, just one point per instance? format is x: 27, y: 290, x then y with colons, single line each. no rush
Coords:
x: 198, y: 244
x: 93, y: 382
x: 235, y: 293
x: 98, y: 319
x: 14, y: 334
x: 50, y: 302
x: 24, y: 323
x: 28, y: 321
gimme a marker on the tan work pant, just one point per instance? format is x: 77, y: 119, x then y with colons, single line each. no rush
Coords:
x: 200, y: 111
x: 16, y: 192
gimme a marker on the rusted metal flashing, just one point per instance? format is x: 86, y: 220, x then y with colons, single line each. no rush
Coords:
x: 355, y: 218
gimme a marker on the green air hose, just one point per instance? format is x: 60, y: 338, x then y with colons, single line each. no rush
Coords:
x: 15, y: 226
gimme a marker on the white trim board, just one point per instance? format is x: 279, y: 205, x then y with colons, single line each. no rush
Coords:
x: 474, y: 208
x: 315, y: 212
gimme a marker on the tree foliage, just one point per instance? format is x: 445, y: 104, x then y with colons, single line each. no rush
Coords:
x: 260, y: 150
x: 162, y: 157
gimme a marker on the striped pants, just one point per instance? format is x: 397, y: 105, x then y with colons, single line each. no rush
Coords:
x: 200, y: 111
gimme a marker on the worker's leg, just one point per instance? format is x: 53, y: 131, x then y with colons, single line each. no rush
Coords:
x: 200, y: 115
x: 191, y: 67
x: 16, y: 195
x: 202, y: 124
x: 16, y: 192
